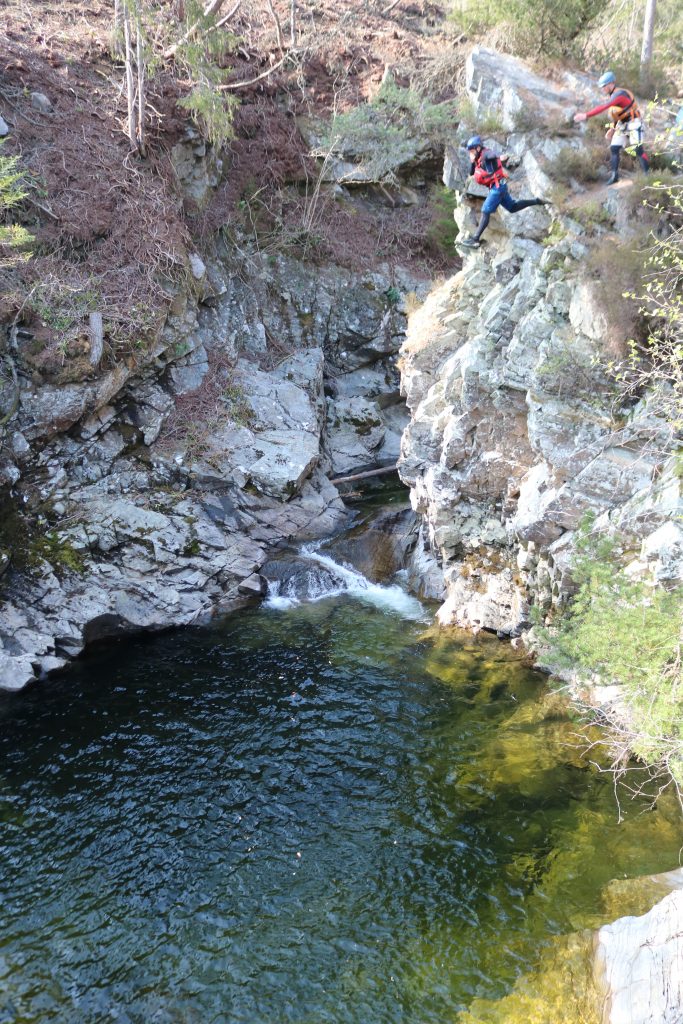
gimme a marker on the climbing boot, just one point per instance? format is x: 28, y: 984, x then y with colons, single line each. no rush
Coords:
x: 542, y: 202
x: 613, y: 178
x: 471, y: 243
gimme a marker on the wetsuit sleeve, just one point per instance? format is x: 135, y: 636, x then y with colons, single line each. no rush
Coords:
x: 618, y: 101
x: 473, y: 167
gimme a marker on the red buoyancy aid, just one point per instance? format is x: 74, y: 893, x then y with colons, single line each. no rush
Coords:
x: 484, y: 177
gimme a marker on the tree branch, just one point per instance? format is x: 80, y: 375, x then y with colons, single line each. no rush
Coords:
x: 252, y: 81
x: 211, y: 9
x: 278, y: 26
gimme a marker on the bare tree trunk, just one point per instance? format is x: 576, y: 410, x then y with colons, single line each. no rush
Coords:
x: 646, y: 52
x: 278, y: 26
x: 118, y: 29
x: 130, y: 87
x: 292, y: 23
x: 140, y: 58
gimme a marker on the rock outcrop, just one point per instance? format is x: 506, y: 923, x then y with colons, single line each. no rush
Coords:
x: 159, y: 485
x: 514, y: 434
x: 639, y: 964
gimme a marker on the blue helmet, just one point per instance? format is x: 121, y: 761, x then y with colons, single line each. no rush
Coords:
x: 474, y: 142
x: 606, y: 79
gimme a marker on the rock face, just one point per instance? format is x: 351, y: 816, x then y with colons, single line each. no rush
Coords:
x: 639, y: 965
x: 513, y: 434
x: 513, y: 437
x: 162, y: 484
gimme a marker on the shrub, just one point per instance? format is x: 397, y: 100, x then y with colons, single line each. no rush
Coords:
x: 383, y: 133
x: 629, y: 632
x: 617, y: 267
x: 593, y: 216
x: 533, y: 28
x: 655, y: 362
x: 655, y: 198
x: 580, y: 165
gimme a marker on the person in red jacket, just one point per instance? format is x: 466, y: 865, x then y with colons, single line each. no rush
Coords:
x: 626, y: 128
x: 488, y: 170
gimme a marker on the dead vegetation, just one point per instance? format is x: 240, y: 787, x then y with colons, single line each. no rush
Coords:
x: 198, y: 414
x: 577, y: 165
x: 112, y: 232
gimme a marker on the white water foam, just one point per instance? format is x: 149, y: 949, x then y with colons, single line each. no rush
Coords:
x: 346, y: 580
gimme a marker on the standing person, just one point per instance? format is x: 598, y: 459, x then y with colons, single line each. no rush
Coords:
x: 488, y: 170
x: 626, y: 128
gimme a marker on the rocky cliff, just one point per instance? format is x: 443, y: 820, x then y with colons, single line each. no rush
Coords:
x: 157, y: 487
x: 516, y: 431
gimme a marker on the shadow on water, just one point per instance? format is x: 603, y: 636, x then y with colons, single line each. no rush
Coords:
x: 325, y: 813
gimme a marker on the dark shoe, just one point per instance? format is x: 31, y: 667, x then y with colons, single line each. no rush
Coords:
x: 542, y: 202
x: 471, y: 243
x: 613, y: 178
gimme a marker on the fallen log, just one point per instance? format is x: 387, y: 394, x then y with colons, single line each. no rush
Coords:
x: 363, y: 476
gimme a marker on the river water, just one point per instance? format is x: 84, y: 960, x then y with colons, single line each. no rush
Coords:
x: 309, y: 813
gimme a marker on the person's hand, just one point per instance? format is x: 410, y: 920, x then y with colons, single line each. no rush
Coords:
x: 609, y: 134
x: 579, y: 117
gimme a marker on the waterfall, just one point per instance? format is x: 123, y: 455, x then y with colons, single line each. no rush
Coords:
x: 326, y: 578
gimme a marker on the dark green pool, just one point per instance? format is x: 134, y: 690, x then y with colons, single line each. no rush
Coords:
x: 315, y: 815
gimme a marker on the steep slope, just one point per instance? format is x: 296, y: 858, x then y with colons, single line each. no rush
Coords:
x: 516, y: 431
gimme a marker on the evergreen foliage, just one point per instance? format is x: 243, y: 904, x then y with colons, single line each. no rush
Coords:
x: 629, y: 632
x: 443, y: 230
x: 386, y: 131
x: 532, y: 28
x: 15, y: 240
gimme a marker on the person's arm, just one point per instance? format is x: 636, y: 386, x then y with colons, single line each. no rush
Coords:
x: 490, y: 161
x: 618, y: 101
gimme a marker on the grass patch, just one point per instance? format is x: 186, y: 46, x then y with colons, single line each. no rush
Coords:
x: 576, y: 165
x: 593, y: 217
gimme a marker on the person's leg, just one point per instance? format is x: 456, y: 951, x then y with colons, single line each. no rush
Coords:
x: 515, y: 205
x: 483, y: 224
x: 618, y: 141
x: 491, y: 204
x: 615, y: 153
x: 636, y: 140
x: 643, y: 159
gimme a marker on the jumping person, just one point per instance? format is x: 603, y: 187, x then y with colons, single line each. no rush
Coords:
x: 626, y: 128
x: 488, y: 170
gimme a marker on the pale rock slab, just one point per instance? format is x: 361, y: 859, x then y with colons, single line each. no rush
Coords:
x: 639, y: 965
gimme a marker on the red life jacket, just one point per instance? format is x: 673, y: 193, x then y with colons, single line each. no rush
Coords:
x: 484, y: 177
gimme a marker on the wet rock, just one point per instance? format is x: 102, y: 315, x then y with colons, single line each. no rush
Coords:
x: 253, y: 586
